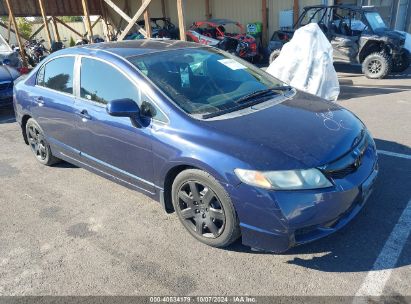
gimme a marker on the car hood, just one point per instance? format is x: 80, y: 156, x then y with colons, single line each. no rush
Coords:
x: 301, y: 132
x: 391, y: 34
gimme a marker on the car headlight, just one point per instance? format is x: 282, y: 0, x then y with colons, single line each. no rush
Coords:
x: 284, y: 180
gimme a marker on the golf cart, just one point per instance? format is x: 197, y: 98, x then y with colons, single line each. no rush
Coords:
x: 358, y: 36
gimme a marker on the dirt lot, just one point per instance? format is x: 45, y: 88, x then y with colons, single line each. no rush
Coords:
x: 65, y: 231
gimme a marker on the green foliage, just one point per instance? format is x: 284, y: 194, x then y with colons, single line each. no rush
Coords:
x: 24, y: 27
x: 72, y: 42
x: 71, y: 18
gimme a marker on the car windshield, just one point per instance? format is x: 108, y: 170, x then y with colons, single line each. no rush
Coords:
x: 205, y: 81
x: 375, y: 21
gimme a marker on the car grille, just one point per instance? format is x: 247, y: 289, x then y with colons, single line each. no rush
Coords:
x: 350, y: 162
x: 4, y: 85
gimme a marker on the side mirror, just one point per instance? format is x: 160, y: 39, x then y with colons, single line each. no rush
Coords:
x: 125, y: 107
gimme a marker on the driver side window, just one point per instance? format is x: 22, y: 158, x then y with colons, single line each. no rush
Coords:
x: 101, y: 83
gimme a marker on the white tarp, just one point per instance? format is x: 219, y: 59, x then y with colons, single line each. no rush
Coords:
x: 306, y: 63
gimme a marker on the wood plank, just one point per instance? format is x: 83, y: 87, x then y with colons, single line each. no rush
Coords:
x: 296, y: 10
x: 163, y: 8
x: 55, y: 29
x: 264, y: 21
x: 16, y: 29
x: 68, y: 27
x: 207, y: 9
x: 147, y: 23
x: 8, y: 30
x: 88, y: 23
x: 106, y: 27
x: 118, y: 10
x: 181, y: 22
x: 45, y: 23
x: 134, y: 20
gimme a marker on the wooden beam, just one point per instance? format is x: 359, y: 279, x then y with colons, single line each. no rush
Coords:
x: 8, y: 30
x: 106, y: 28
x: 68, y: 27
x: 125, y: 16
x: 118, y: 10
x: 38, y: 30
x: 264, y: 21
x: 181, y: 22
x: 134, y: 20
x: 207, y: 9
x: 16, y: 29
x: 43, y: 14
x: 88, y: 24
x: 55, y: 29
x: 147, y: 23
x: 163, y: 8
x: 296, y: 10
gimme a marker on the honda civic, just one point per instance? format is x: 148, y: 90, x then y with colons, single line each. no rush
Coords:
x: 230, y: 149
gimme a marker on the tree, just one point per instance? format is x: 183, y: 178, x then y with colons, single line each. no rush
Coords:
x: 72, y: 42
x: 24, y: 27
x: 71, y: 18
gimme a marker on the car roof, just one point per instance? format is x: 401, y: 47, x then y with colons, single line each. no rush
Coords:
x: 130, y: 48
x: 346, y: 6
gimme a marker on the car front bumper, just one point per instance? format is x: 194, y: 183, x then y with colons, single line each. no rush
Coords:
x: 278, y: 220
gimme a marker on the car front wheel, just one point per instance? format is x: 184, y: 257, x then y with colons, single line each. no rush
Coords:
x: 38, y: 144
x: 204, y: 208
x: 377, y: 65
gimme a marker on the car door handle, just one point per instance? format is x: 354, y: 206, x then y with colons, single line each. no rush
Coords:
x: 84, y: 115
x: 39, y: 101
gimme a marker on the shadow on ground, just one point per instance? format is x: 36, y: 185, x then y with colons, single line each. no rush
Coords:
x: 356, y: 247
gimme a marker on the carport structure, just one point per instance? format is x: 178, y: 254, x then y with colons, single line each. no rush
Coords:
x: 113, y: 13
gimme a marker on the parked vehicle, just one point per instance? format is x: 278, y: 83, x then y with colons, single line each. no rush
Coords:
x: 9, y: 54
x: 35, y: 51
x: 225, y: 34
x: 224, y: 144
x: 8, y: 75
x: 161, y: 28
x: 358, y: 36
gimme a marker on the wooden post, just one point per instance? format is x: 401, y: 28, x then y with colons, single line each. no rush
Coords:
x: 296, y: 10
x: 134, y: 20
x: 46, y: 26
x: 55, y: 29
x: 163, y: 8
x: 181, y: 22
x: 8, y: 30
x: 264, y: 21
x: 147, y: 23
x: 207, y: 9
x: 106, y: 28
x: 88, y: 24
x: 16, y: 29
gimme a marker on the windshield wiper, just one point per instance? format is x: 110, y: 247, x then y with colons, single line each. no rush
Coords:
x: 260, y: 93
x: 246, y: 101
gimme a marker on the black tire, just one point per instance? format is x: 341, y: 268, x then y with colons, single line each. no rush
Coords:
x: 377, y: 65
x: 401, y: 65
x: 274, y: 55
x: 38, y: 144
x: 207, y: 206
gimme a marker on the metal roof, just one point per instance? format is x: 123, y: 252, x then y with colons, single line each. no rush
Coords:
x: 25, y: 8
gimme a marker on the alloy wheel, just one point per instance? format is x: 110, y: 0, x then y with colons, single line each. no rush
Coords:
x: 201, y: 209
x: 37, y: 142
x: 375, y: 66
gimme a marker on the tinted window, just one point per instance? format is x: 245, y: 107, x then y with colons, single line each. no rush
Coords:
x: 57, y: 74
x: 102, y: 83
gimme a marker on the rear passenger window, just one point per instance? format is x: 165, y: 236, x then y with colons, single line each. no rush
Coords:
x: 102, y: 83
x: 57, y: 75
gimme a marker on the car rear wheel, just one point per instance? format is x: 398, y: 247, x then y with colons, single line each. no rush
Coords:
x: 377, y: 65
x: 274, y: 55
x: 204, y: 208
x: 38, y: 143
x: 402, y: 64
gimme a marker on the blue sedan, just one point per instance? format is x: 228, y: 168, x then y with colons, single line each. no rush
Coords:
x: 232, y: 150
